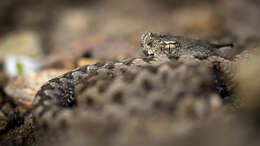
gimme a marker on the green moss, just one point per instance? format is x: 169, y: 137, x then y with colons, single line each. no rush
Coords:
x: 19, y: 68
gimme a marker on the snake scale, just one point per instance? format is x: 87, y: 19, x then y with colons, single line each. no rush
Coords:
x: 158, y: 81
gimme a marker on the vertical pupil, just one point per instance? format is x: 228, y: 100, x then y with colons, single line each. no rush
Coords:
x: 167, y: 46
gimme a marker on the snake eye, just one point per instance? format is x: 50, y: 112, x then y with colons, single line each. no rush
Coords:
x: 170, y: 45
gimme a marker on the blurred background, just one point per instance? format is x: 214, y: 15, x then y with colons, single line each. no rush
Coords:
x: 60, y: 31
x: 50, y: 37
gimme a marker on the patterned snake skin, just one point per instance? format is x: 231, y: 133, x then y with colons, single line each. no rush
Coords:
x: 58, y: 102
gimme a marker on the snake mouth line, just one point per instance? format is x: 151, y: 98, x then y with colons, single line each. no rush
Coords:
x: 220, y: 85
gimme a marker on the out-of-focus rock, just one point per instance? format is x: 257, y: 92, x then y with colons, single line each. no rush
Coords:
x: 22, y: 89
x: 7, y: 108
x: 8, y: 114
x: 199, y: 21
x: 97, y: 47
x: 241, y: 17
x: 86, y: 61
x: 3, y: 78
x: 3, y: 121
x: 248, y: 80
x: 71, y: 25
x: 17, y: 50
x: 22, y: 135
x: 26, y: 43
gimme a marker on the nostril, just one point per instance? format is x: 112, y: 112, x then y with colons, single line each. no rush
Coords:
x: 145, y: 52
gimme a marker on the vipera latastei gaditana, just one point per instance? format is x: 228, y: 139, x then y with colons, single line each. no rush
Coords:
x: 175, y: 76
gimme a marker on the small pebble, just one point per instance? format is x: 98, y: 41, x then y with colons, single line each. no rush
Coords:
x: 3, y: 121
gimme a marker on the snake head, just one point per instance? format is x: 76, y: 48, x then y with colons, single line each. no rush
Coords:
x: 159, y: 45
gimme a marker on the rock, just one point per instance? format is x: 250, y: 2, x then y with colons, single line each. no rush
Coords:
x: 86, y: 61
x: 23, y: 88
x: 75, y: 22
x: 241, y: 17
x: 247, y: 78
x: 94, y: 46
x: 3, y: 79
x: 22, y: 135
x: 3, y: 121
x: 7, y: 109
x: 199, y: 21
x: 26, y: 43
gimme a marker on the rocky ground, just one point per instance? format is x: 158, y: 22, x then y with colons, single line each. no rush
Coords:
x: 39, y: 41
